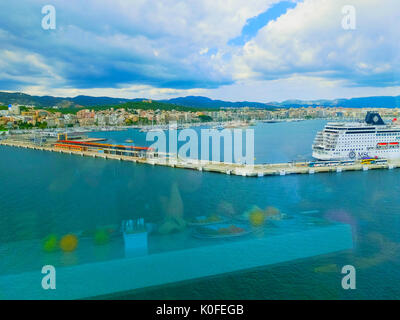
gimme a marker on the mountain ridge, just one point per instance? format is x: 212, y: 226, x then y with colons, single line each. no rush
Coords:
x: 196, y: 101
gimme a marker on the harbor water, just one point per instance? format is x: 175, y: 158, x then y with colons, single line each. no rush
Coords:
x: 46, y: 193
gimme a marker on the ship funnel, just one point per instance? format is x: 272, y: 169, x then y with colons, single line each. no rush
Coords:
x: 374, y: 118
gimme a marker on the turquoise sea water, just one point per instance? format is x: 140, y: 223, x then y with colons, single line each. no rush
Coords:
x: 43, y: 193
x: 275, y: 142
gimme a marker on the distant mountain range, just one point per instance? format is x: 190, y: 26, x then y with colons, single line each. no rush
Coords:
x: 194, y: 101
x: 366, y: 102
x: 49, y: 101
x: 204, y: 102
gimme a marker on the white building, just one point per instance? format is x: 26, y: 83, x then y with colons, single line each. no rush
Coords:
x: 14, y: 110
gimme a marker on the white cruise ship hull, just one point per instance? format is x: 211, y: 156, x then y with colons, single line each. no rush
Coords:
x: 352, y: 141
x: 390, y: 155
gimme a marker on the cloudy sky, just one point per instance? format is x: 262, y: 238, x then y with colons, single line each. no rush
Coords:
x: 258, y: 50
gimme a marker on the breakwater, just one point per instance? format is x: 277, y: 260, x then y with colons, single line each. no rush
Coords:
x: 256, y: 170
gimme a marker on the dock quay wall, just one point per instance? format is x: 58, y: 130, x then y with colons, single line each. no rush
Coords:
x: 257, y: 170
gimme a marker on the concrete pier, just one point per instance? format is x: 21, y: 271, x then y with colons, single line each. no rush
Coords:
x: 257, y: 170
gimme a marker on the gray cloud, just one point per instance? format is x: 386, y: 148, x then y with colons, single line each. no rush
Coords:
x: 113, y: 44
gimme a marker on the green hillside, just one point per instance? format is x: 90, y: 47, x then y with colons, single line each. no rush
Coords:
x: 154, y: 105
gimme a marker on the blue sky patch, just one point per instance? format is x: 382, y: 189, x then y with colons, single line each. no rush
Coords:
x: 256, y: 23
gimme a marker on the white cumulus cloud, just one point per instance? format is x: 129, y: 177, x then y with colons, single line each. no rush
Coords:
x: 310, y: 40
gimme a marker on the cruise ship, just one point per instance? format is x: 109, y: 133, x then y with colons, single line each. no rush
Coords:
x: 358, y: 140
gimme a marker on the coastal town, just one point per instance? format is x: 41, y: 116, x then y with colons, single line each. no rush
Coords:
x: 14, y: 117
